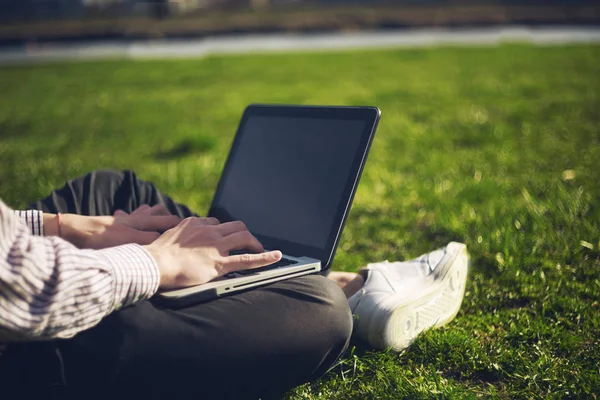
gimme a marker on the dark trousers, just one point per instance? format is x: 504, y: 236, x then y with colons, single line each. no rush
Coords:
x: 258, y: 343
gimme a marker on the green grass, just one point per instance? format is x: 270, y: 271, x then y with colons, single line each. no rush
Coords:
x: 495, y: 147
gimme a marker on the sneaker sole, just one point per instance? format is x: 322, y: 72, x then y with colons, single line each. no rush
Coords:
x: 436, y: 308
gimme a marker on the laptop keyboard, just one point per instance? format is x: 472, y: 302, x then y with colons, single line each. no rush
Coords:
x: 284, y: 262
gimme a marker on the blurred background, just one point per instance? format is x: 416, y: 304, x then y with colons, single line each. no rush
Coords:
x: 23, y: 22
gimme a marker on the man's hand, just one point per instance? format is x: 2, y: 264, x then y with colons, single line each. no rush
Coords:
x: 197, y: 250
x: 142, y: 226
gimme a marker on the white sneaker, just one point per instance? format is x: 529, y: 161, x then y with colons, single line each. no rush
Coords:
x: 401, y: 299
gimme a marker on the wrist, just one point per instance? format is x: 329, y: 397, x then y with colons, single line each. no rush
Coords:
x: 159, y: 257
x: 64, y: 227
x: 50, y: 224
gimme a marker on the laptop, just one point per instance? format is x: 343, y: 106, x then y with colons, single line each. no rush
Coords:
x: 290, y: 176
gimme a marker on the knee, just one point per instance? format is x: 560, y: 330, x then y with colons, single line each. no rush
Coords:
x: 104, y: 176
x: 330, y: 321
x: 112, y: 181
x: 336, y: 315
x: 101, y: 178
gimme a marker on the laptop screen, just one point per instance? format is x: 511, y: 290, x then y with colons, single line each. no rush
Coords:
x: 287, y: 177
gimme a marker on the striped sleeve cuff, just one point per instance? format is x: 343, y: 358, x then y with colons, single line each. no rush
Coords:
x: 34, y: 221
x: 135, y: 273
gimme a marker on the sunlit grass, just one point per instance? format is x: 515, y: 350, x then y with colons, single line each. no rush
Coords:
x: 498, y: 148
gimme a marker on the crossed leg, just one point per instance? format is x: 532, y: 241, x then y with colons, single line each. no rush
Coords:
x: 254, y: 344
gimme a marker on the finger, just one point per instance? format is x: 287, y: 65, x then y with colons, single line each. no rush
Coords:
x: 140, y: 209
x: 247, y: 261
x: 207, y: 221
x: 228, y: 228
x: 119, y: 213
x: 201, y: 221
x: 240, y: 240
x: 158, y: 209
x: 158, y: 223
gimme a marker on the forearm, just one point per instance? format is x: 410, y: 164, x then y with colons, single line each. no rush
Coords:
x: 41, y: 223
x: 143, y: 226
x: 53, y: 225
x: 50, y: 289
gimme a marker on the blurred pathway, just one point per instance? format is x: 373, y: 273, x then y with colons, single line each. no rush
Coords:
x: 297, y: 42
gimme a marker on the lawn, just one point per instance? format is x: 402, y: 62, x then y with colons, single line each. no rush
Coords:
x: 496, y: 147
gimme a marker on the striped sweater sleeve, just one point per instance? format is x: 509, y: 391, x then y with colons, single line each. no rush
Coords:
x: 33, y: 220
x: 51, y: 289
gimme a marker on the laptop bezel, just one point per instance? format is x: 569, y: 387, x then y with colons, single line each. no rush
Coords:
x: 370, y: 115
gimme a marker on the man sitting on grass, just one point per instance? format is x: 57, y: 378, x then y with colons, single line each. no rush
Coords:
x: 75, y: 317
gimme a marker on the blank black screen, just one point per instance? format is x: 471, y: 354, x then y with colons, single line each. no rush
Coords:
x: 286, y: 176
